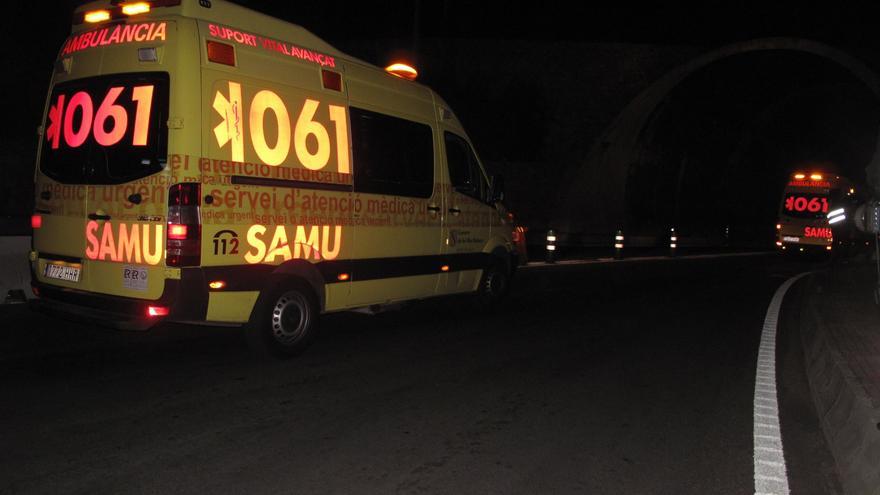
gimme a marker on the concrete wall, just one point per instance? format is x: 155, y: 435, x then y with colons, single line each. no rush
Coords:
x: 848, y: 416
x: 14, y: 271
x: 622, y: 143
x: 535, y: 109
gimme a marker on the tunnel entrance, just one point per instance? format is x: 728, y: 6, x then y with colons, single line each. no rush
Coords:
x: 706, y: 145
x: 714, y: 154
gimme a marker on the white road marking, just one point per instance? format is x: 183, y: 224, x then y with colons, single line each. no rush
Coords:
x: 770, y: 472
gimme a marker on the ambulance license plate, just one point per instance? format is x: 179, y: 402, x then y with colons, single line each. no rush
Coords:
x: 58, y: 271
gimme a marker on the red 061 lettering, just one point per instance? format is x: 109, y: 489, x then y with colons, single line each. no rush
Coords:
x: 800, y: 203
x: 94, y: 122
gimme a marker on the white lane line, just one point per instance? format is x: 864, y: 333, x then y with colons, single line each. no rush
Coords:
x: 768, y: 449
x: 770, y: 472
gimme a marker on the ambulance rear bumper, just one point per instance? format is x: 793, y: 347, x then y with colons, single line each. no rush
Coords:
x: 186, y: 300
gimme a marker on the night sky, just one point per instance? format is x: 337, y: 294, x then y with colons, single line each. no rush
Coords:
x: 831, y: 116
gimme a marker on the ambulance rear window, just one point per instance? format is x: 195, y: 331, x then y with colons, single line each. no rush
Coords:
x: 391, y: 155
x: 106, y: 130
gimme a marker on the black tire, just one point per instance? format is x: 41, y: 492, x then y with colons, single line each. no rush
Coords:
x: 494, y: 284
x: 284, y: 321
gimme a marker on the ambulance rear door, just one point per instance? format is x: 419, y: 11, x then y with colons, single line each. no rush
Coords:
x: 104, y: 158
x: 130, y: 178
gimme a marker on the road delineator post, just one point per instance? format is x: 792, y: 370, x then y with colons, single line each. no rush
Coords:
x: 618, y: 245
x: 551, y: 246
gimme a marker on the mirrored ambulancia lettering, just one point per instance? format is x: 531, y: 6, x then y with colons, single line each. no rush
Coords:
x: 115, y: 35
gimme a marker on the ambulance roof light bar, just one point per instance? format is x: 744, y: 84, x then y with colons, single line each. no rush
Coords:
x: 121, y: 10
x: 97, y: 16
x: 813, y: 176
x: 135, y: 8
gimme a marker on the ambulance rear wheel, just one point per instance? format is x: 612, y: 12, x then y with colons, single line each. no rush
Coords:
x: 284, y: 323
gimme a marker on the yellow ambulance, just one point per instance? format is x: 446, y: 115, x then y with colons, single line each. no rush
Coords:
x: 810, y: 212
x: 202, y: 162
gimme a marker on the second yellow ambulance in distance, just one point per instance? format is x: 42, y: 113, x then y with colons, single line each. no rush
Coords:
x: 807, y: 202
x: 202, y: 162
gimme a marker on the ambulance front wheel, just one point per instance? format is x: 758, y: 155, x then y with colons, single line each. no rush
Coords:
x: 284, y: 321
x: 495, y: 283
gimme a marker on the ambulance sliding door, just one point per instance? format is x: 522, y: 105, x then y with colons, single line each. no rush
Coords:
x: 397, y: 228
x: 275, y: 165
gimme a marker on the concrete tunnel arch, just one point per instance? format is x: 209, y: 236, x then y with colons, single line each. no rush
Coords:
x: 595, y: 200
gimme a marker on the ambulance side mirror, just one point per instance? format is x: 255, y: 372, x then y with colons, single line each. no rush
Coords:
x: 496, y: 188
x: 466, y: 188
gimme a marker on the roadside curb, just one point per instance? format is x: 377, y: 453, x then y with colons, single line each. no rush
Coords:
x: 600, y: 261
x: 850, y: 422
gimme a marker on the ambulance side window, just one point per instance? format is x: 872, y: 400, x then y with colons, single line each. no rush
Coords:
x: 391, y: 155
x: 464, y: 170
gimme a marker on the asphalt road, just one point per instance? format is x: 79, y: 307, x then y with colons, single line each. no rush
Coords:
x: 613, y: 378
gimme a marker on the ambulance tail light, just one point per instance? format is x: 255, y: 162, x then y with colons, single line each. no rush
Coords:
x: 154, y: 311
x: 177, y: 231
x: 36, y: 221
x: 221, y: 53
x: 331, y: 80
x: 183, y: 245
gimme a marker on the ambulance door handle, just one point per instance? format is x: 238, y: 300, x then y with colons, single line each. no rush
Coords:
x: 454, y: 210
x: 95, y: 216
x: 434, y: 209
